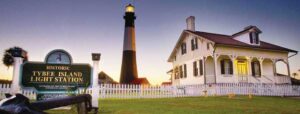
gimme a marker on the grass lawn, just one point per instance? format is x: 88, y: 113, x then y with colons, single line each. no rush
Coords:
x: 196, y: 105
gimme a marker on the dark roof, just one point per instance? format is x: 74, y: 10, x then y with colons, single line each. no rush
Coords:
x: 228, y: 40
x: 103, y: 78
x: 5, y: 81
x: 142, y: 81
x: 247, y: 29
x: 166, y: 83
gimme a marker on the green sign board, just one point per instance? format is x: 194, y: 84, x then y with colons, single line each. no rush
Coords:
x: 55, y: 77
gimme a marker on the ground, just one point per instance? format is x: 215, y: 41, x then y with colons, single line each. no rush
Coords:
x: 205, y: 105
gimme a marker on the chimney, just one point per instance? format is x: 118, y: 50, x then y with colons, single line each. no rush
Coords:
x: 190, y: 22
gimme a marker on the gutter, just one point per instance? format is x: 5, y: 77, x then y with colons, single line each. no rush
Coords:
x: 293, y: 55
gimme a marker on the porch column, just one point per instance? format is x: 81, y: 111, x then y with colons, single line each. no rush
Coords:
x: 234, y: 72
x: 204, y: 69
x: 289, y: 71
x: 288, y: 67
x: 274, y: 67
x: 274, y: 70
x: 216, y: 66
x: 249, y: 60
x: 261, y: 69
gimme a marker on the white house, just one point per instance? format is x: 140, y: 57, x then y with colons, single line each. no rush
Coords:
x: 202, y: 58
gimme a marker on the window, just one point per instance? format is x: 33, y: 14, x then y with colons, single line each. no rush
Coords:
x: 185, y: 71
x: 207, y: 46
x: 226, y: 66
x: 194, y: 44
x: 183, y: 48
x: 254, y: 39
x: 195, y: 69
x: 175, y: 58
x: 180, y: 72
x: 201, y: 67
x: 255, y: 66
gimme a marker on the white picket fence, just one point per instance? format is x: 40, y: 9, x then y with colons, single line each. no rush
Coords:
x: 123, y: 91
x: 5, y: 88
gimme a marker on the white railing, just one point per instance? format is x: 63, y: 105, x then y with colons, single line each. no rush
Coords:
x: 283, y: 79
x: 252, y: 79
x: 243, y: 79
x: 5, y: 88
x: 267, y: 79
x: 123, y: 91
x: 118, y: 91
x: 210, y: 79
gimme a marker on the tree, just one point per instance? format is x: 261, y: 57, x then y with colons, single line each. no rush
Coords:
x: 8, y: 59
x: 295, y: 74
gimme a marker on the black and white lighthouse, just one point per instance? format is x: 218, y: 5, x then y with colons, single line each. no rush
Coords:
x: 129, y: 67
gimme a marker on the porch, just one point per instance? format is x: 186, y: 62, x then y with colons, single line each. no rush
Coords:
x: 227, y: 68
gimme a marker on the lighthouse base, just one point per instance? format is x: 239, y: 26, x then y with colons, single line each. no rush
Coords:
x: 129, y: 67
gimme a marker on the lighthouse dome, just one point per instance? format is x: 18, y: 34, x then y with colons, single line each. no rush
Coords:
x: 129, y: 8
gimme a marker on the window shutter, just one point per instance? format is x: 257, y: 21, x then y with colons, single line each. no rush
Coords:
x: 207, y: 46
x: 257, y: 39
x: 252, y: 68
x: 222, y: 67
x: 195, y: 68
x: 181, y: 49
x: 176, y: 72
x: 230, y: 67
x: 184, y: 45
x: 251, y: 38
x: 192, y: 44
x: 180, y: 72
x: 185, y: 72
x: 201, y: 67
x: 196, y: 45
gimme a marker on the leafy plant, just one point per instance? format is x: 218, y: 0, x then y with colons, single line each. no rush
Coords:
x: 8, y: 59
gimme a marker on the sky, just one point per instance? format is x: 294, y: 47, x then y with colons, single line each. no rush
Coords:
x: 82, y: 27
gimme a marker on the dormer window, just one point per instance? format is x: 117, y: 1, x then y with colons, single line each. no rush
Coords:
x: 249, y: 35
x: 254, y: 39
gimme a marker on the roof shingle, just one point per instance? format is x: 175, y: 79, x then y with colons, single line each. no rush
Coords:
x: 228, y: 40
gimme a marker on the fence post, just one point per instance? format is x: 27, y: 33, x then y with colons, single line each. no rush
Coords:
x: 140, y: 91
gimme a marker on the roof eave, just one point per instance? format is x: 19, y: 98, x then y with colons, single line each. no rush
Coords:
x: 289, y: 50
x: 177, y: 43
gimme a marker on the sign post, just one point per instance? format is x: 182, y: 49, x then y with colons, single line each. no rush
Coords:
x: 18, y: 56
x: 95, y: 86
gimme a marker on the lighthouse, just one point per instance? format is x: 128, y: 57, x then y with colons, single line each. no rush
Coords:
x: 129, y: 67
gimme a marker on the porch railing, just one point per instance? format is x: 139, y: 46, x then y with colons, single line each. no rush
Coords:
x: 210, y: 79
x: 243, y: 79
x: 283, y: 80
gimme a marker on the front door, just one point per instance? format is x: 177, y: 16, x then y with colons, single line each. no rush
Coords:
x: 242, y: 71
